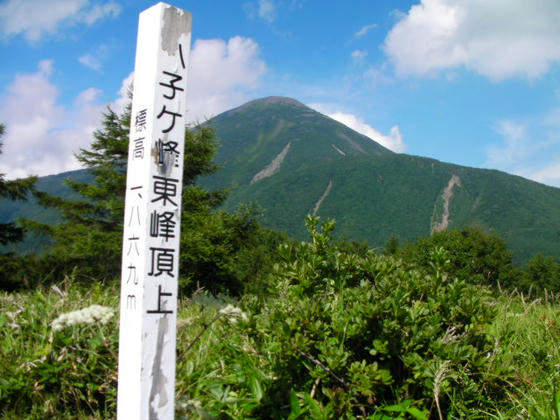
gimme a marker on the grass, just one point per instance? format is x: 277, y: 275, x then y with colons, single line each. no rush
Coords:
x: 72, y: 373
x: 69, y: 373
x: 527, y: 336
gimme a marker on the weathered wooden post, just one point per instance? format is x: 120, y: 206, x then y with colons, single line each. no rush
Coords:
x: 146, y: 387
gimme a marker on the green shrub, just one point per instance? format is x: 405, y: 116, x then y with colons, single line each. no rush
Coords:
x: 350, y: 336
x: 340, y: 335
x: 477, y: 256
x: 542, y: 273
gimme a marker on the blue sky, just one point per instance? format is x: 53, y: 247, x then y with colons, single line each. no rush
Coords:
x: 472, y: 82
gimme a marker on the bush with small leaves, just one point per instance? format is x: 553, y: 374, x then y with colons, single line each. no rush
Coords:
x: 356, y: 336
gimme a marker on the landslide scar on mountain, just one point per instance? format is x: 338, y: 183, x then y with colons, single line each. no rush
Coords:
x: 273, y: 166
x: 325, y: 194
x: 338, y: 150
x: 446, y: 195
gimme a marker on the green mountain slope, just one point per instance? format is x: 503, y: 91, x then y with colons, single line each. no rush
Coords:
x: 291, y: 161
x: 252, y: 135
x: 14, y: 210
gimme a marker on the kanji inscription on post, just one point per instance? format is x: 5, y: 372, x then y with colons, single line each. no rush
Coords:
x: 148, y: 309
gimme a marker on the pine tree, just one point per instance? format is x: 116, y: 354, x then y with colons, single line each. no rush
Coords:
x: 90, y: 238
x: 13, y: 190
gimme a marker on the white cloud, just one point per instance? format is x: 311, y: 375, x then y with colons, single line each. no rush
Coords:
x: 393, y: 141
x: 34, y: 18
x: 377, y: 75
x: 514, y: 147
x: 94, y: 60
x: 498, y: 39
x: 359, y: 55
x: 364, y: 30
x: 264, y: 9
x: 123, y: 99
x: 549, y: 175
x: 267, y: 10
x: 99, y: 11
x: 41, y: 135
x: 528, y: 149
x: 223, y: 75
x: 90, y: 61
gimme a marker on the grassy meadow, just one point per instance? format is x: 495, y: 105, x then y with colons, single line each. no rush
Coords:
x: 439, y: 348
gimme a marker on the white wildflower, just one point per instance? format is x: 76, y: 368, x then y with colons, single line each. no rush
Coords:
x: 90, y: 315
x: 233, y: 313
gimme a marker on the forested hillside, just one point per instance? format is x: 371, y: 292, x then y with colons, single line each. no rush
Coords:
x: 289, y: 161
x: 322, y: 167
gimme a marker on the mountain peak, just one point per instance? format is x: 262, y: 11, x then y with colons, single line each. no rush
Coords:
x: 281, y: 100
x: 279, y: 120
x: 269, y: 100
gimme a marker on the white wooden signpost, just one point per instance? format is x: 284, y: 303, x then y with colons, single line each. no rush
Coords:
x: 148, y: 308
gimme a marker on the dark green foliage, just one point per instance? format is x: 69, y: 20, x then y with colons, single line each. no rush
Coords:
x: 13, y: 190
x: 219, y: 250
x: 375, y: 194
x: 11, y: 232
x: 392, y: 246
x: 342, y: 335
x: 35, y: 243
x: 20, y: 271
x: 90, y: 236
x: 225, y: 253
x: 477, y: 256
x: 542, y: 273
x: 351, y: 336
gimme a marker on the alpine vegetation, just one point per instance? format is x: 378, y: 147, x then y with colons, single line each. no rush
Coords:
x: 90, y: 315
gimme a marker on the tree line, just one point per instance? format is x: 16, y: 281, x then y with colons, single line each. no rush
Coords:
x: 220, y: 251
